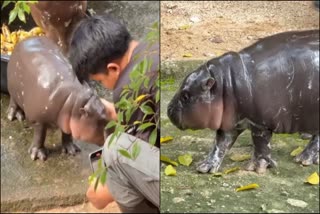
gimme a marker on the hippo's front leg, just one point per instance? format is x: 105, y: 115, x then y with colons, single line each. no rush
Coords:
x: 261, y: 158
x: 68, y: 147
x: 224, y: 141
x: 37, y: 149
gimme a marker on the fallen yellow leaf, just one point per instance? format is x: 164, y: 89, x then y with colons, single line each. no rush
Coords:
x: 168, y: 160
x: 187, y: 55
x: 231, y: 170
x: 165, y: 139
x: 184, y: 27
x: 247, y: 187
x: 138, y: 99
x: 217, y: 174
x: 240, y: 157
x: 170, y: 170
x: 185, y: 160
x: 297, y: 151
x: 313, y: 179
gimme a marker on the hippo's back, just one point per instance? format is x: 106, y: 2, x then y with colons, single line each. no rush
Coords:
x: 36, y: 70
x: 284, y: 74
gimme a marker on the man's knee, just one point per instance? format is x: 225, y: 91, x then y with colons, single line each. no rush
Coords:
x: 144, y: 207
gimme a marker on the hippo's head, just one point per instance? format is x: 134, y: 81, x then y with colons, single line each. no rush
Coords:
x: 198, y: 103
x: 89, y: 120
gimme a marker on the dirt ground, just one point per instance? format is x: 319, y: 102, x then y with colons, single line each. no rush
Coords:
x: 208, y: 29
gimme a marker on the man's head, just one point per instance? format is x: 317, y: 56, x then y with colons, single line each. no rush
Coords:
x: 97, y: 49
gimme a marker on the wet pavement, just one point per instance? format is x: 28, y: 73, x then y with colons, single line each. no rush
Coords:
x: 32, y: 185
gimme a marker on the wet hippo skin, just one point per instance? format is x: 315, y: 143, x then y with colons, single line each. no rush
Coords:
x: 58, y: 19
x: 269, y: 87
x: 44, y: 89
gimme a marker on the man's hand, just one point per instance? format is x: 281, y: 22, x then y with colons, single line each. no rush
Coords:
x: 99, y: 198
x: 110, y: 109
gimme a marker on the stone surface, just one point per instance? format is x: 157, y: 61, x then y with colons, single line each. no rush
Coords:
x: 32, y: 185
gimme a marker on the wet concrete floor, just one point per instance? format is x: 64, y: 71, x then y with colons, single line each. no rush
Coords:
x: 32, y: 185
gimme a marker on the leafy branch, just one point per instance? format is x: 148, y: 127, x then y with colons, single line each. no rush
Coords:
x: 20, y: 8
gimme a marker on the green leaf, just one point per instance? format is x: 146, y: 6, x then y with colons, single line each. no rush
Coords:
x: 114, y: 136
x: 157, y: 96
x: 150, y: 64
x: 145, y: 125
x: 100, y: 163
x: 185, y: 160
x: 26, y: 7
x: 129, y: 113
x: 146, y: 109
x: 96, y: 183
x: 13, y: 14
x: 103, y: 177
x: 21, y: 15
x: 91, y: 178
x: 153, y: 136
x: 5, y: 3
x: 111, y: 124
x: 155, y: 25
x: 125, y: 153
x: 120, y: 117
x: 136, y: 149
x: 32, y: 2
x: 146, y: 82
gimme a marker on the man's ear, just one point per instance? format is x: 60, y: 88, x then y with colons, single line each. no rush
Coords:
x: 113, y: 68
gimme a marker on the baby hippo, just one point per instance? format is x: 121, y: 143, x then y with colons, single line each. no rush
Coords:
x: 269, y: 87
x: 44, y: 89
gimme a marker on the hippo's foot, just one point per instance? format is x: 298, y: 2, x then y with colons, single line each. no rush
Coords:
x: 70, y: 148
x: 310, y: 155
x: 208, y: 166
x: 15, y: 113
x: 36, y: 153
x: 260, y: 165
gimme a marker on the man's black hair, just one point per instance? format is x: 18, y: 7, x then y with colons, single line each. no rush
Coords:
x: 95, y: 42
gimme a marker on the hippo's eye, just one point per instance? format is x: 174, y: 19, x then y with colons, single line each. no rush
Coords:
x: 185, y: 96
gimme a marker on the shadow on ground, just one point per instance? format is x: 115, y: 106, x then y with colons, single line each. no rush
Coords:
x: 190, y: 191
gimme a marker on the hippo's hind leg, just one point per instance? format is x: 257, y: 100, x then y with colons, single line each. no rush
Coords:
x: 224, y: 141
x: 68, y: 147
x: 14, y: 111
x: 261, y: 158
x: 310, y: 154
x: 37, y: 149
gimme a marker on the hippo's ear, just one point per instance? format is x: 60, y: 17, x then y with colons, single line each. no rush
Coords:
x: 207, y: 84
x: 84, y: 112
